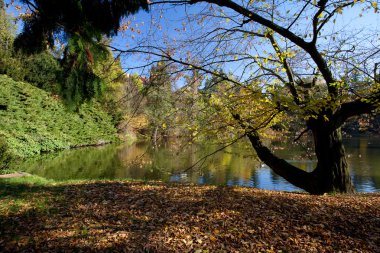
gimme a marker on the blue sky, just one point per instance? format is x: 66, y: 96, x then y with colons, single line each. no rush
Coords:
x: 172, y: 18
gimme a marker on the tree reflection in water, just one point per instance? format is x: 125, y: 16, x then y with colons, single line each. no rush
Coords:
x: 236, y: 165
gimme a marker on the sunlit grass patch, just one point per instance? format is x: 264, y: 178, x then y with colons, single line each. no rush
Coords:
x: 22, y: 194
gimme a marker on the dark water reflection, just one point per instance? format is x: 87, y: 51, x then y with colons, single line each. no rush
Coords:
x: 236, y: 165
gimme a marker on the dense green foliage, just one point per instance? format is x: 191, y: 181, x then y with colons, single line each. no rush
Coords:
x: 9, y: 64
x: 159, y: 106
x: 43, y: 71
x: 80, y: 26
x: 79, y: 79
x: 6, y: 29
x: 33, y: 121
x: 122, y: 98
x: 4, y: 154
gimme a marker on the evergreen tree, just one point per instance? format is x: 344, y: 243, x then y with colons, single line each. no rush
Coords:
x: 81, y: 24
x: 159, y: 99
x: 88, y: 19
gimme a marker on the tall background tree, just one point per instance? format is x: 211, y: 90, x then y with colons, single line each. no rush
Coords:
x: 159, y: 100
x: 6, y: 36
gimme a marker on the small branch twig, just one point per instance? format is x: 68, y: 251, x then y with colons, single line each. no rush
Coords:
x: 301, y: 134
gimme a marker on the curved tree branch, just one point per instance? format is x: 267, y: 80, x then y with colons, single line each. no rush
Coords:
x: 354, y: 108
x: 292, y: 174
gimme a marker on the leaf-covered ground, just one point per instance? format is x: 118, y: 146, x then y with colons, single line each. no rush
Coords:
x: 155, y: 217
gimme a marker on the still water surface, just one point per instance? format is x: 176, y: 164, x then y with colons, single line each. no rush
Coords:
x: 236, y: 165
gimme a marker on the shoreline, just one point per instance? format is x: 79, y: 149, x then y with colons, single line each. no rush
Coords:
x: 14, y: 175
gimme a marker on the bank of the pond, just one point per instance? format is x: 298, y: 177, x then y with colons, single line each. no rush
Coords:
x: 41, y: 215
x: 34, y: 121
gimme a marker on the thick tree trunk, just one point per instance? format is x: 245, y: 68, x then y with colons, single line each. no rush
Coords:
x: 331, y: 173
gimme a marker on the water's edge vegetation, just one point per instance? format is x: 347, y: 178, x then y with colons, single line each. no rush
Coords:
x: 34, y: 121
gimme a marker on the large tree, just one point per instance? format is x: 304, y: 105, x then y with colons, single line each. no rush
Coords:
x: 280, y: 47
x: 80, y: 25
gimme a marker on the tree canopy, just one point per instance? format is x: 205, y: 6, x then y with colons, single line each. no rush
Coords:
x: 64, y: 19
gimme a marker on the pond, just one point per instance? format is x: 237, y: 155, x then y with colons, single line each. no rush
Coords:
x: 172, y: 161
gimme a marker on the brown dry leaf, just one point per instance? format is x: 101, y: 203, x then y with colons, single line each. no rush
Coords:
x: 154, y: 217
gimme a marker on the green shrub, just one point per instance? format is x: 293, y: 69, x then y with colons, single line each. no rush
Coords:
x: 43, y: 70
x: 12, y: 66
x: 5, y: 156
x: 35, y: 121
